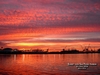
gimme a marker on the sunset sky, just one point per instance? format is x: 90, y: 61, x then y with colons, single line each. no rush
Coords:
x: 53, y: 24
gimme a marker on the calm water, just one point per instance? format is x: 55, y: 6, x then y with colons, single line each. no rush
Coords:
x: 48, y: 64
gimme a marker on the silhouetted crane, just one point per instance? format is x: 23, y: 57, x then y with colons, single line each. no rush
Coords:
x: 86, y: 49
x: 64, y: 48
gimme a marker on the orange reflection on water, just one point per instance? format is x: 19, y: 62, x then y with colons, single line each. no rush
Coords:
x: 47, y: 64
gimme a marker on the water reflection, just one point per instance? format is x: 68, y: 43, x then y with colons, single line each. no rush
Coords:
x: 14, y: 56
x: 47, y: 64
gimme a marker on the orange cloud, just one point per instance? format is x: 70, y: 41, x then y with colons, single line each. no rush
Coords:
x: 28, y: 23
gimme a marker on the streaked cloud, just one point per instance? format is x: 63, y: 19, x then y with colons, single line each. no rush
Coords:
x: 49, y: 21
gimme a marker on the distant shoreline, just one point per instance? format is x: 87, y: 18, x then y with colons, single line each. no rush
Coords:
x: 50, y: 53
x: 39, y: 51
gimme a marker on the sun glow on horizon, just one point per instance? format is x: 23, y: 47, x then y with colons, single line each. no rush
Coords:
x: 29, y: 44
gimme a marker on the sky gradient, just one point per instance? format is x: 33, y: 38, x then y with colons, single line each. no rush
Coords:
x: 53, y: 24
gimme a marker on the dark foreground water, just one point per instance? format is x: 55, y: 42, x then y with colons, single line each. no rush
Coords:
x: 47, y: 64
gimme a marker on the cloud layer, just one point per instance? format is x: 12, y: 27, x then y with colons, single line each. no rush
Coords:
x: 38, y: 21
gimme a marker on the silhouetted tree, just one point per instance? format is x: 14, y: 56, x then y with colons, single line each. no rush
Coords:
x: 98, y: 50
x: 7, y: 49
